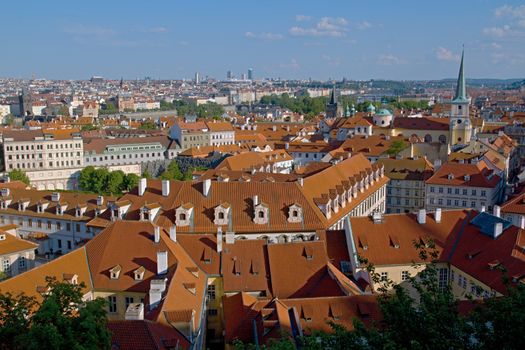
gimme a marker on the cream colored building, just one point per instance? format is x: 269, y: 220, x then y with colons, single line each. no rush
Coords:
x: 52, y: 159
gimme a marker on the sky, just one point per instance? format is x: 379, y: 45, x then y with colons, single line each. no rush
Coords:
x: 289, y: 39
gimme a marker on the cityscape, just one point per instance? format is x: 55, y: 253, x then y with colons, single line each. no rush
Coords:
x: 263, y: 176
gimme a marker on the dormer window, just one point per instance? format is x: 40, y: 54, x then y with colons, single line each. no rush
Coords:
x: 139, y: 273
x: 183, y: 215
x: 59, y: 210
x: 261, y: 214
x: 221, y: 214
x: 467, y: 177
x: 3, y: 205
x: 114, y: 273
x: 450, y: 176
x: 295, y: 213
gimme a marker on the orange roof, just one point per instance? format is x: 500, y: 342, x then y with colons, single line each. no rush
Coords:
x: 457, y: 174
x: 12, y: 244
x: 28, y: 282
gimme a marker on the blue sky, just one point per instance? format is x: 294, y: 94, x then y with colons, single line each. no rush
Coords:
x: 387, y: 39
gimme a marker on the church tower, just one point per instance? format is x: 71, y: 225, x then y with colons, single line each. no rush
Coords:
x: 460, y: 125
x: 333, y: 109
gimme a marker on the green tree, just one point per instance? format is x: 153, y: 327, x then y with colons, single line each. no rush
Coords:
x: 99, y: 180
x: 64, y: 111
x: 9, y: 119
x: 148, y: 125
x: 209, y: 110
x: 130, y: 181
x: 114, y: 182
x: 61, y: 321
x: 85, y: 178
x: 396, y: 147
x: 19, y: 175
x: 146, y: 174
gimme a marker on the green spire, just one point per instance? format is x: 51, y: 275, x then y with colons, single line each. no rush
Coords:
x: 461, y: 89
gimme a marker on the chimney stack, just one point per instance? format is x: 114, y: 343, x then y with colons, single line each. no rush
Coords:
x: 165, y: 188
x: 157, y: 234
x: 143, y: 183
x: 219, y: 239
x: 230, y: 237
x: 497, y: 211
x: 437, y: 164
x: 255, y: 200
x: 482, y: 208
x: 206, y: 185
x: 301, y: 181
x: 438, y: 215
x: 162, y: 263
x: 421, y: 216
x: 522, y: 222
x: 286, y: 145
x: 498, y: 229
x: 173, y: 233
x: 100, y: 200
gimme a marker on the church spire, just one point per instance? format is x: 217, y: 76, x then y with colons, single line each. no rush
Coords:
x: 461, y: 90
x: 332, y: 96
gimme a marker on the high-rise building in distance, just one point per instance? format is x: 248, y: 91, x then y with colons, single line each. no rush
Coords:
x: 229, y: 75
x: 250, y: 73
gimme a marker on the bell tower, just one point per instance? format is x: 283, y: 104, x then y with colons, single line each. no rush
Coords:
x: 460, y: 124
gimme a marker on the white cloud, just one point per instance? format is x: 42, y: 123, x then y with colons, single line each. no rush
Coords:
x: 266, y: 36
x: 510, y: 11
x: 159, y: 30
x: 335, y: 27
x: 389, y: 59
x: 333, y: 61
x: 444, y: 54
x: 364, y: 25
x: 302, y: 18
x: 293, y: 64
x: 497, y: 32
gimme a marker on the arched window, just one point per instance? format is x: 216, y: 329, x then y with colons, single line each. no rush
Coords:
x: 221, y: 215
x: 182, y: 217
x: 261, y: 214
x: 428, y: 138
x: 442, y: 139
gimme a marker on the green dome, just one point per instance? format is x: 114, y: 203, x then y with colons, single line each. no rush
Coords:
x: 370, y: 108
x: 383, y: 112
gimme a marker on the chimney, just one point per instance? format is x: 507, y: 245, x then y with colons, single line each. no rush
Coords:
x: 219, y: 239
x: 135, y: 311
x: 421, y: 216
x: 255, y: 200
x: 165, y: 188
x: 301, y: 181
x: 437, y: 164
x: 286, y: 145
x: 173, y: 233
x: 143, y: 183
x: 482, y: 208
x: 100, y: 200
x: 274, y: 127
x: 497, y: 211
x: 206, y: 185
x: 156, y: 234
x: 498, y: 229
x: 438, y: 215
x: 522, y: 222
x: 162, y: 263
x: 230, y: 237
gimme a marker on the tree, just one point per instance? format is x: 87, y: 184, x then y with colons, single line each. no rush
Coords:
x: 9, y: 119
x: 146, y: 174
x: 148, y: 125
x: 396, y: 147
x: 114, y: 182
x: 130, y: 181
x: 85, y: 178
x: 19, y: 175
x: 61, y: 321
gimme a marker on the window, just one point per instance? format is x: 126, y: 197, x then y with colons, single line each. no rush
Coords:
x: 432, y: 189
x: 449, y: 190
x: 6, y: 264
x: 456, y: 191
x: 69, y: 245
x: 452, y: 275
x: 112, y: 302
x: 21, y: 263
x: 404, y: 275
x: 473, y: 204
x: 449, y: 202
x: 440, y: 190
x: 464, y: 204
x: 261, y: 214
x: 182, y: 217
x: 59, y: 243
x: 59, y: 225
x: 483, y: 193
x: 211, y: 292
x: 384, y: 276
x: 464, y: 191
x: 129, y: 300
x: 443, y: 277
x: 474, y: 192
x: 212, y: 312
